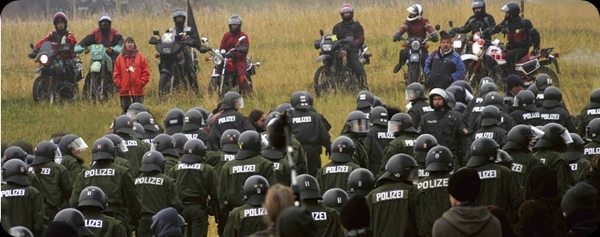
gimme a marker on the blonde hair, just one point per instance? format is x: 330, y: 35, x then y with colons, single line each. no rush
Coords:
x: 279, y: 198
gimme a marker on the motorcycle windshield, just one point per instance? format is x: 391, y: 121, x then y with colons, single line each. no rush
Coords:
x: 46, y: 48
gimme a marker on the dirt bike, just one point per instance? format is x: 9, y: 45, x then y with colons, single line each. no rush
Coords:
x: 224, y: 77
x: 335, y: 73
x: 57, y: 79
x: 99, y: 82
x: 413, y: 62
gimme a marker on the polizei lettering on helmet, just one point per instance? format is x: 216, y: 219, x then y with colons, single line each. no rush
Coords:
x: 13, y: 193
x: 228, y: 157
x: 227, y: 119
x: 484, y: 134
x: 385, y: 135
x: 488, y: 174
x: 591, y: 151
x: 149, y: 180
x: 319, y: 216
x: 305, y: 119
x: 593, y: 112
x: 255, y: 212
x: 389, y: 195
x: 550, y: 116
x: 184, y: 166
x: 93, y: 223
x: 337, y: 169
x: 528, y: 116
x: 436, y: 183
x: 243, y: 169
x: 99, y: 172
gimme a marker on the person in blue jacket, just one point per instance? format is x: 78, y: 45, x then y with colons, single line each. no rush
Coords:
x: 443, y: 66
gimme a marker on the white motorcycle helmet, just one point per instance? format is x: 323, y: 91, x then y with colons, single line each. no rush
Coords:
x: 415, y: 12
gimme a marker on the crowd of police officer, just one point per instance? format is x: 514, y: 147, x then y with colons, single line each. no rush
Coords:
x: 198, y: 164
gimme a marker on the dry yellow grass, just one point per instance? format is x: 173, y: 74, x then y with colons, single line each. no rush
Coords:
x: 281, y: 39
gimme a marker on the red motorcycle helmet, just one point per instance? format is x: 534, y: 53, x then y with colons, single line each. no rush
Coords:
x: 60, y: 16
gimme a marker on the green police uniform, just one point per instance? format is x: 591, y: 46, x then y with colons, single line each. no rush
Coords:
x: 522, y: 165
x: 103, y: 225
x: 136, y: 150
x: 435, y: 196
x: 579, y: 169
x: 299, y: 155
x: 282, y: 171
x: 54, y: 183
x: 71, y: 163
x: 24, y: 206
x: 125, y: 163
x: 402, y: 144
x: 335, y: 175
x: 156, y: 191
x: 217, y: 159
x: 245, y: 220
x: 327, y: 219
x: 555, y: 160
x: 234, y: 173
x: 170, y: 161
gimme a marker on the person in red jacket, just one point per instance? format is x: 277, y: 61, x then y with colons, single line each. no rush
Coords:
x: 131, y: 74
x: 62, y: 39
x: 229, y: 41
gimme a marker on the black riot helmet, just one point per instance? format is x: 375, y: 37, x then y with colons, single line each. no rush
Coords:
x: 451, y: 100
x: 174, y: 121
x: 592, y: 130
x: 135, y: 109
x: 193, y: 120
x: 438, y: 92
x: 520, y: 137
x: 542, y: 82
x: 478, y: 4
x: 152, y: 161
x: 357, y: 123
x: 229, y: 141
x: 281, y: 108
x: 377, y: 101
x: 138, y: 131
x: 71, y: 141
x: 512, y: 10
x: 379, y: 116
x: 308, y: 187
x: 487, y: 88
x: 103, y: 149
x: 14, y: 152
x: 460, y: 107
x: 504, y: 159
x: 165, y: 144
x: 423, y: 144
x: 439, y: 158
x: 250, y: 143
x: 484, y: 150
x: 180, y: 140
x: 552, y: 97
x: 525, y: 99
x: 414, y: 91
x: 342, y: 149
x: 255, y: 190
x: 93, y: 196
x: 399, y: 167
x: 595, y: 96
x: 485, y: 80
x: 204, y: 113
x: 490, y: 115
x: 20, y: 231
x: 232, y: 100
x: 123, y: 125
x: 364, y: 100
x: 45, y: 152
x: 194, y: 151
x: 118, y: 143
x: 556, y: 137
x: 74, y: 218
x: 335, y: 198
x: 465, y: 85
x: 299, y: 100
x: 575, y: 149
x: 460, y: 94
x: 494, y: 98
x: 360, y: 182
x: 400, y: 122
x: 533, y: 89
x: 15, y: 171
x: 147, y: 121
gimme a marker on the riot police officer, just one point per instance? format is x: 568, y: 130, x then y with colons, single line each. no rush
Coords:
x: 51, y: 179
x: 418, y: 105
x: 356, y: 128
x: 123, y: 202
x: 74, y: 218
x: 395, y: 191
x: 549, y: 149
x: 134, y: 109
x: 227, y: 152
x: 229, y: 118
x: 165, y: 144
x: 155, y: 190
x: 92, y: 202
x: 327, y: 219
x: 552, y: 111
x: 460, y: 94
x: 309, y: 129
x: 574, y: 155
x: 335, y: 173
x: 423, y: 144
x: 195, y: 181
x: 15, y: 152
x: 364, y: 102
x: 192, y: 127
x: 405, y: 135
x: 22, y: 203
x: 378, y: 138
x: 525, y: 111
x: 204, y: 113
x: 70, y: 146
x: 475, y: 106
x: 518, y: 146
x: 248, y: 218
x: 498, y: 184
x: 440, y: 162
x: 360, y: 182
x: 298, y: 154
x: 123, y: 126
x: 138, y: 131
x: 541, y: 83
x: 280, y: 164
x: 335, y: 198
x: 495, y: 99
x: 180, y: 140
x: 490, y: 118
x: 174, y: 121
x: 151, y: 129
x: 120, y: 150
x: 589, y: 112
x: 592, y: 134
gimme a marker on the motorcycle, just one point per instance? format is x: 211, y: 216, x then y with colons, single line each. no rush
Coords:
x: 461, y: 42
x: 57, y: 79
x: 413, y: 62
x: 99, y: 82
x: 224, y: 77
x: 172, y: 60
x: 338, y: 74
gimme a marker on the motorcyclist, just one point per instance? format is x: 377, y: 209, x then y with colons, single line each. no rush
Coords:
x: 184, y: 32
x: 520, y: 35
x: 349, y: 27
x: 229, y: 41
x: 479, y: 20
x: 417, y: 27
x: 105, y: 35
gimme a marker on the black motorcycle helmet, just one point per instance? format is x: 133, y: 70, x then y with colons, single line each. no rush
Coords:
x: 103, y: 149
x: 552, y: 97
x: 400, y: 122
x: 335, y: 198
x: 364, y: 100
x: 512, y: 10
x: 520, y: 137
x: 414, y: 91
x: 525, y: 99
x: 118, y: 143
x: 152, y: 161
x: 441, y: 93
x: 592, y: 130
x: 93, y: 196
x: 234, y: 20
x: 76, y: 219
x: 229, y: 141
x: 504, y: 159
x: 180, y: 140
x: 193, y: 120
x: 357, y: 123
x: 484, y: 150
x: 15, y: 171
x: 204, y: 113
x: 399, y: 167
x: 123, y: 125
x: 308, y: 187
x: 194, y: 151
x: 423, y: 144
x: 494, y: 98
x: 542, y: 81
x: 379, y: 116
x: 14, y: 152
x: 232, y: 100
x: 147, y: 121
x: 478, y: 4
x: 490, y: 115
x: 138, y: 131
x: 174, y: 121
x: 342, y: 149
x: 179, y: 12
x: 439, y: 158
x: 281, y: 108
x: 299, y: 100
x: 465, y: 85
x: 250, y: 144
x: 165, y: 144
x: 255, y: 190
x: 104, y: 22
x: 20, y: 231
x: 45, y: 152
x: 556, y: 137
x: 595, y: 97
x: 360, y: 182
x: 574, y: 149
x: 135, y: 109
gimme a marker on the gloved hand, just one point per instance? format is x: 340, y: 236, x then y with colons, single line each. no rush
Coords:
x: 504, y: 30
x: 397, y: 37
x: 535, y: 51
x: 453, y: 31
x: 109, y: 50
x: 32, y: 54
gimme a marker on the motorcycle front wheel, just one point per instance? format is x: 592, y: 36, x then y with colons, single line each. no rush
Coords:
x: 165, y: 84
x: 40, y: 89
x: 414, y: 73
x: 322, y: 81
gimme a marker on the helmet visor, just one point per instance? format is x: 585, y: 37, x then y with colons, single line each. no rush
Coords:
x: 239, y: 103
x: 566, y: 137
x: 78, y: 144
x: 57, y: 154
x: 132, y: 113
x: 468, y: 95
x: 123, y: 147
x: 413, y: 94
x: 153, y: 146
x: 394, y: 127
x: 264, y: 142
x: 536, y: 132
x: 359, y: 125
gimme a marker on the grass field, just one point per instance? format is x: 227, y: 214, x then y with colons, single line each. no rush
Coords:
x: 281, y: 39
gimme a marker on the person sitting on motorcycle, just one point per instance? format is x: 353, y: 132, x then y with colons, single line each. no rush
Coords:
x: 520, y: 35
x: 179, y: 17
x: 228, y: 42
x: 418, y: 27
x: 104, y: 35
x: 61, y: 39
x: 349, y: 27
x: 480, y: 20
x: 444, y: 66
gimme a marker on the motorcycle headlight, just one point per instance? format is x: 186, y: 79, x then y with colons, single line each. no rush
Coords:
x: 166, y: 50
x: 217, y: 59
x: 326, y: 47
x: 44, y: 59
x: 415, y: 45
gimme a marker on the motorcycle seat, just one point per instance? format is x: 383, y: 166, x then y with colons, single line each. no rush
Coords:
x: 527, y: 58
